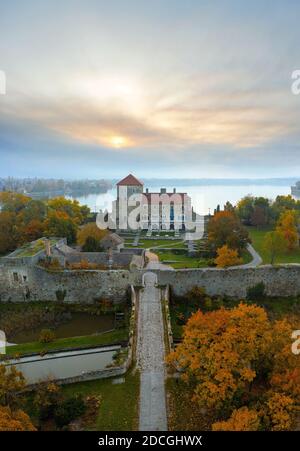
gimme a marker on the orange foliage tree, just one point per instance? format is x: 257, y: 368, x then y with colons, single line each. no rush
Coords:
x: 287, y: 225
x: 221, y: 350
x: 11, y: 381
x: 230, y: 357
x: 279, y: 411
x: 242, y: 419
x: 14, y: 420
x: 227, y: 257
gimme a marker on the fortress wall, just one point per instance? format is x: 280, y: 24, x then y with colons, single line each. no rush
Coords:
x: 36, y: 283
x: 79, y: 286
x: 283, y: 280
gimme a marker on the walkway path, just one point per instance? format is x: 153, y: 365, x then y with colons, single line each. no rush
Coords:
x: 256, y: 258
x: 154, y: 263
x: 151, y: 358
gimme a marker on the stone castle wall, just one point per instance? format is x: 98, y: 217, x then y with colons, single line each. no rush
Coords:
x: 283, y: 280
x: 25, y: 283
x: 79, y: 286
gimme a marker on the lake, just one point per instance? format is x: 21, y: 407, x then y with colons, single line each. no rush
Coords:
x: 205, y: 198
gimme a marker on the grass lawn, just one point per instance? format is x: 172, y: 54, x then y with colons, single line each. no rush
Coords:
x: 257, y: 237
x: 180, y: 260
x: 246, y: 257
x: 118, y: 410
x: 73, y: 342
x: 163, y: 243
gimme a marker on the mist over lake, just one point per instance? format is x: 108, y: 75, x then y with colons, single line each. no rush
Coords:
x: 205, y: 197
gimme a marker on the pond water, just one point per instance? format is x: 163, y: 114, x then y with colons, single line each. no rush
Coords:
x: 79, y: 324
x: 64, y: 364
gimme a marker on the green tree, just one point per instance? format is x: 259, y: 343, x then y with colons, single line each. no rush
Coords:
x: 60, y: 225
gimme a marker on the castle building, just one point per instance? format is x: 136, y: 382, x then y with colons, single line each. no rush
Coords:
x: 157, y: 210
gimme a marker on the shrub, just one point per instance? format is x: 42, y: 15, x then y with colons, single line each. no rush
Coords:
x: 68, y: 410
x: 256, y: 292
x: 47, y: 397
x: 46, y: 336
x: 91, y: 245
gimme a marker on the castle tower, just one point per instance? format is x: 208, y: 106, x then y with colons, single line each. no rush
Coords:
x: 125, y: 188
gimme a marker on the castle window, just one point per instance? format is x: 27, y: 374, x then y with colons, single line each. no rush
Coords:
x: 15, y: 277
x: 24, y: 278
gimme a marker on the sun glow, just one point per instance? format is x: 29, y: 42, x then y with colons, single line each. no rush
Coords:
x: 118, y: 141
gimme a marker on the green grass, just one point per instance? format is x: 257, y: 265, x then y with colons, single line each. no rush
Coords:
x: 246, y: 257
x: 181, y: 261
x: 257, y: 236
x: 159, y: 242
x: 118, y: 410
x: 65, y: 343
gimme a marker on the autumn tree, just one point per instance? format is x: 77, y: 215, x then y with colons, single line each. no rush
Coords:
x: 220, y: 352
x: 13, y: 202
x: 59, y: 224
x: 71, y: 208
x: 227, y: 257
x: 255, y: 211
x: 225, y: 228
x: 90, y: 230
x: 33, y: 230
x: 48, y: 396
x: 14, y: 420
x: 274, y: 243
x: 9, y: 234
x: 287, y: 225
x: 242, y: 419
x: 33, y: 210
x: 245, y: 209
x: 279, y: 412
x: 11, y: 382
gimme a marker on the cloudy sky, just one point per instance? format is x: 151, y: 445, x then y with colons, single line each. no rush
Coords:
x: 161, y: 88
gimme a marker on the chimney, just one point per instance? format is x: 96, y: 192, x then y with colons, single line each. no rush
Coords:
x: 47, y: 248
x: 163, y: 190
x: 174, y: 190
x: 147, y: 190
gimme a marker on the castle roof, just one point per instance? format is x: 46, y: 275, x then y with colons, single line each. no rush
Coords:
x: 130, y: 180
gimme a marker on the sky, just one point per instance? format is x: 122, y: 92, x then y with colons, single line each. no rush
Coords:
x: 160, y: 88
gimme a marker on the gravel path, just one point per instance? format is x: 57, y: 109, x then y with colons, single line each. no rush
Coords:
x: 151, y: 356
x: 257, y: 260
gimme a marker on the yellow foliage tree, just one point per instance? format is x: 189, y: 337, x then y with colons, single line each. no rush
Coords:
x: 287, y: 225
x: 274, y: 243
x: 11, y: 381
x: 242, y: 419
x: 90, y: 230
x: 280, y: 408
x: 14, y: 420
x: 227, y: 257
